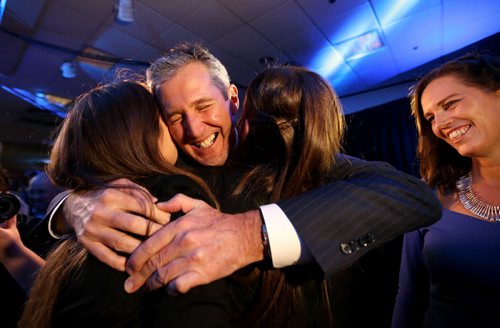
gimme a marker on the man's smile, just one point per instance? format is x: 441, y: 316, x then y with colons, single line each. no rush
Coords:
x: 207, y: 142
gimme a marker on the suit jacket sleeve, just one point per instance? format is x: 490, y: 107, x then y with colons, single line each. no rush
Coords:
x: 365, y: 205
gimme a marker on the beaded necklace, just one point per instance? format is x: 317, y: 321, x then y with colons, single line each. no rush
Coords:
x: 473, y: 204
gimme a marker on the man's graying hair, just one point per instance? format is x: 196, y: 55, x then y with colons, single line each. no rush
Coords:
x: 165, y: 67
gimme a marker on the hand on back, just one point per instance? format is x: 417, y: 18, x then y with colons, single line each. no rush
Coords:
x: 105, y: 220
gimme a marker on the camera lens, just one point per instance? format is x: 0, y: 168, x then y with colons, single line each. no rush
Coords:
x: 9, y: 206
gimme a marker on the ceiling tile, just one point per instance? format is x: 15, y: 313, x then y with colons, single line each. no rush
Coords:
x: 389, y: 11
x: 243, y: 41
x: 282, y: 21
x: 116, y: 42
x: 173, y: 9
x: 277, y: 54
x: 26, y: 11
x: 81, y: 27
x: 211, y: 20
x: 304, y: 43
x: 459, y: 11
x: 455, y: 37
x: 148, y: 24
x: 375, y: 67
x: 240, y: 73
x: 174, y: 35
x: 99, y: 10
x: 248, y: 10
x: 404, y: 39
x: 322, y: 10
x: 147, y: 54
x: 350, y: 24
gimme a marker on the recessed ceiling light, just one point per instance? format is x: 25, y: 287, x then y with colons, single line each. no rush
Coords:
x: 360, y: 46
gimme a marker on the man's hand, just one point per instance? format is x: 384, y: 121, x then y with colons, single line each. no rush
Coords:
x: 104, y: 219
x: 200, y: 247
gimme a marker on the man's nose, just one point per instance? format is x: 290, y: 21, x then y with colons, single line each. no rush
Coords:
x: 193, y: 126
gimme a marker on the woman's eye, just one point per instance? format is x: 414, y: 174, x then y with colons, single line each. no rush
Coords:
x: 447, y: 105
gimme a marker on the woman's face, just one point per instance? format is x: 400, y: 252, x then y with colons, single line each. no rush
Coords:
x: 466, y: 117
x: 166, y: 145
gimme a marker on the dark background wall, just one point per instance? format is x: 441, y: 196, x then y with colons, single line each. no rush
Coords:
x: 365, y: 293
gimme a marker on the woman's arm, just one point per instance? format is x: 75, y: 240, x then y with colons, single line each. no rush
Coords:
x: 413, y: 292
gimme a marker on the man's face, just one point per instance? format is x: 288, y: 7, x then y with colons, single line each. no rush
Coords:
x: 198, y: 116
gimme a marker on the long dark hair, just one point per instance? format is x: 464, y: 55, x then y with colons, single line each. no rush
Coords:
x: 440, y: 164
x: 111, y: 132
x: 296, y: 127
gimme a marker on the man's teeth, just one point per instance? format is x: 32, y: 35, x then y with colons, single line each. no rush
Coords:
x: 207, y: 142
x: 458, y: 133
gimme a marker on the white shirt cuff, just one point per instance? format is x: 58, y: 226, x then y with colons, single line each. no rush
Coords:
x: 56, y: 208
x: 286, y: 246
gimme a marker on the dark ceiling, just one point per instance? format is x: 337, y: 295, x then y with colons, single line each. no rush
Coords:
x: 38, y: 36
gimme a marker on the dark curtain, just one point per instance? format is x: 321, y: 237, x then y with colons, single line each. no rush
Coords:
x: 384, y: 133
x: 364, y: 294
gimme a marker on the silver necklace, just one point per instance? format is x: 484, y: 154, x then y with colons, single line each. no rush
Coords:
x: 473, y: 204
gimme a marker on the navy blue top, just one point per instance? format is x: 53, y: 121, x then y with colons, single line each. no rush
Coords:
x: 450, y: 274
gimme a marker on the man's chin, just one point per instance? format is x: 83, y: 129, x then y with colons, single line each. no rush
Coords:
x: 209, y: 159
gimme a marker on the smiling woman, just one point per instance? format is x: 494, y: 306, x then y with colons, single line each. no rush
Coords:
x: 443, y: 281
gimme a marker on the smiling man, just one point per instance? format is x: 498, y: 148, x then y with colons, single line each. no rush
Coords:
x: 365, y: 204
x: 199, y: 112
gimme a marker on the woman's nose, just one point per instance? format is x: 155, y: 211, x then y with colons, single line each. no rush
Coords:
x: 442, y: 119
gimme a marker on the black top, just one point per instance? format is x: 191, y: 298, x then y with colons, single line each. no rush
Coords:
x: 96, y: 297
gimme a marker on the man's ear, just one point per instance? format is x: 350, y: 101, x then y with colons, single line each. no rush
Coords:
x: 233, y: 98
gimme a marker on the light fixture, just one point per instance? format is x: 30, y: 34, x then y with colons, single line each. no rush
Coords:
x: 125, y: 11
x: 3, y: 3
x: 360, y: 46
x: 68, y: 69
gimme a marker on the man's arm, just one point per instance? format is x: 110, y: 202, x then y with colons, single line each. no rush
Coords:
x: 366, y: 204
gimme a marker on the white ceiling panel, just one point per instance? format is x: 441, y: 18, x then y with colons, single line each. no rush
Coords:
x: 350, y: 24
x: 117, y: 42
x: 148, y: 24
x: 99, y: 10
x: 174, y: 35
x: 239, y: 72
x: 244, y: 41
x: 322, y: 10
x: 147, y: 53
x: 406, y: 34
x: 390, y: 11
x: 282, y: 22
x: 211, y: 20
x: 249, y: 10
x: 304, y: 43
x: 173, y: 9
x: 81, y: 27
x: 417, y: 35
x: 374, y: 67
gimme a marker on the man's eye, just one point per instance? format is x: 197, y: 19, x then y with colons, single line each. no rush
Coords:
x: 174, y: 119
x: 203, y: 107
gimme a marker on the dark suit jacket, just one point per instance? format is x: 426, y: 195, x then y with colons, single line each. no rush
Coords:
x: 365, y: 205
x: 94, y: 296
